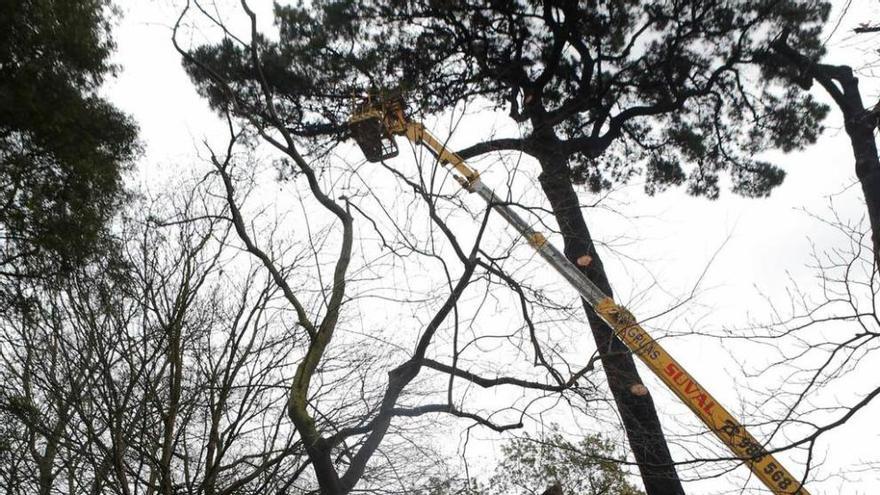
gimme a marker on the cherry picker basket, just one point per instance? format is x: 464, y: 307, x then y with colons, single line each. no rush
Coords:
x: 372, y: 123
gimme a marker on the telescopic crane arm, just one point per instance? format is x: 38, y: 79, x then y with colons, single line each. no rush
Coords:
x: 374, y: 125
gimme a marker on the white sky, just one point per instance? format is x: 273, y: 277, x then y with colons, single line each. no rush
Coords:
x: 766, y: 243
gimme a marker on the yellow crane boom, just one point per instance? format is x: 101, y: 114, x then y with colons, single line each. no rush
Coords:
x: 374, y: 124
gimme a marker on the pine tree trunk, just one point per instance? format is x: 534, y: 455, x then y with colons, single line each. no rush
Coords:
x: 860, y: 123
x: 636, y: 407
x: 860, y: 128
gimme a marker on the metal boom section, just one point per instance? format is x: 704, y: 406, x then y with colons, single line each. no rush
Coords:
x: 721, y: 422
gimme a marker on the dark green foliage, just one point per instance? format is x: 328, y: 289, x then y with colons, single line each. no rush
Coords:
x: 588, y: 467
x: 680, y: 92
x: 63, y: 149
x: 531, y: 465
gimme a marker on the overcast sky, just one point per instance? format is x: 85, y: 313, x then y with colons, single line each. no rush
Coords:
x: 763, y: 246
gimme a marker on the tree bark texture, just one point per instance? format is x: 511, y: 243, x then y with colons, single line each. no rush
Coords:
x: 636, y: 408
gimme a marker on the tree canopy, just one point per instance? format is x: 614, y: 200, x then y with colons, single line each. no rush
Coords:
x: 63, y: 148
x: 587, y: 467
x: 664, y: 86
x: 549, y: 463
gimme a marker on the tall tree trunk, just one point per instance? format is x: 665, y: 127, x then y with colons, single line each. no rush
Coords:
x: 635, y: 405
x: 860, y: 128
x: 175, y: 376
x: 860, y: 123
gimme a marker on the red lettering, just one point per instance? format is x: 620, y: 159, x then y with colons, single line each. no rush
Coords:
x: 680, y: 375
x: 671, y: 369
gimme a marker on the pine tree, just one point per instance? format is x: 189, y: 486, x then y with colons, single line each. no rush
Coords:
x: 63, y: 148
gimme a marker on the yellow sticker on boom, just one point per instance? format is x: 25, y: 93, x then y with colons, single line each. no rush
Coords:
x: 718, y: 419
